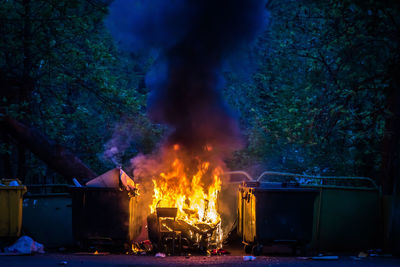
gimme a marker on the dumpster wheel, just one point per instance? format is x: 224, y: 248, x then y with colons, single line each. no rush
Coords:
x: 248, y: 248
x: 256, y: 250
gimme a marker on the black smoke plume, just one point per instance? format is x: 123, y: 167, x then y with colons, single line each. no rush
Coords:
x: 192, y: 40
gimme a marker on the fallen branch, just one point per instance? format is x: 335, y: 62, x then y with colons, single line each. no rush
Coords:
x: 54, y: 155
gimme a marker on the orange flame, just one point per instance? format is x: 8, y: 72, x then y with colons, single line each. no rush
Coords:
x: 193, y: 192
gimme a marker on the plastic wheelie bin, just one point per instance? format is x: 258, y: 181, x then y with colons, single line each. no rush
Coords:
x: 275, y: 213
x: 11, y: 207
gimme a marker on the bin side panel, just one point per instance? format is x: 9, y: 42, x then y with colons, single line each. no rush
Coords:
x: 48, y: 220
x: 227, y: 205
x: 248, y: 217
x: 102, y: 214
x: 349, y: 219
x: 284, y: 216
x: 11, y: 211
x: 135, y: 218
x: 4, y: 213
x: 240, y: 212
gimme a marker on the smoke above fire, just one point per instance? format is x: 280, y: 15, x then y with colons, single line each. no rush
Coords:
x: 192, y: 40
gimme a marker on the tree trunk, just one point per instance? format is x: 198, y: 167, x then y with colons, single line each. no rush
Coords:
x: 54, y: 155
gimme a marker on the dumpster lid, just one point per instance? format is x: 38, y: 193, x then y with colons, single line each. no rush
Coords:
x: 12, y: 184
x: 276, y: 186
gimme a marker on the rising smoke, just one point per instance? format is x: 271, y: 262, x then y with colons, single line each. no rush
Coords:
x: 193, y: 39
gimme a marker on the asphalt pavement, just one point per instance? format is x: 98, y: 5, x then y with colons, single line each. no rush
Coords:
x: 78, y: 259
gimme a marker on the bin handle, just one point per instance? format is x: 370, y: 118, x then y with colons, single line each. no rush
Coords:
x: 245, y: 174
x: 318, y: 177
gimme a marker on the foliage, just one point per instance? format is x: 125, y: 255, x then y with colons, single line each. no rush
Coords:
x: 318, y: 98
x: 316, y: 103
x: 80, y: 85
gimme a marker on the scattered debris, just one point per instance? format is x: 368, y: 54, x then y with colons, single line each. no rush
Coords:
x: 362, y: 254
x: 141, y: 248
x: 249, y: 258
x: 376, y: 251
x: 13, y: 183
x: 76, y: 183
x: 370, y: 253
x: 219, y: 251
x: 325, y: 258
x: 303, y: 258
x: 25, y: 245
x: 160, y: 255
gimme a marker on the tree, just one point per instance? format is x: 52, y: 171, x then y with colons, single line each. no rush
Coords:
x: 322, y: 98
x: 61, y: 72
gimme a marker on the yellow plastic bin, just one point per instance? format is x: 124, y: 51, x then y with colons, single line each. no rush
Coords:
x: 11, y: 208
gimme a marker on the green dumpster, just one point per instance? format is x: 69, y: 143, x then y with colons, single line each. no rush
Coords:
x: 346, y: 212
x: 48, y: 215
x: 348, y: 219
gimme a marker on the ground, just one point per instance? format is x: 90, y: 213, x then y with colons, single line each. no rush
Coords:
x: 272, y: 256
x: 71, y: 259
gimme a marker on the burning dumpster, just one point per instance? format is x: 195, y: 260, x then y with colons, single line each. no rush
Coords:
x: 183, y: 209
x: 275, y: 213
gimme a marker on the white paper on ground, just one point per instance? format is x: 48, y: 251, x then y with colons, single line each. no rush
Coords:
x: 249, y: 258
x: 25, y: 245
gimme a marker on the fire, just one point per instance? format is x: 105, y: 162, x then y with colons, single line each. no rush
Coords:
x: 193, y: 189
x: 195, y: 202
